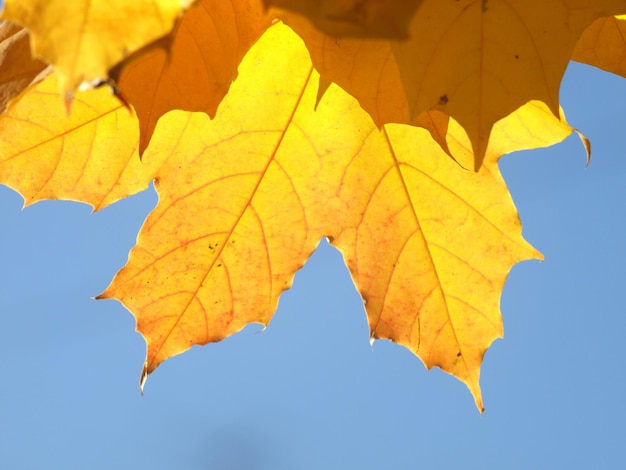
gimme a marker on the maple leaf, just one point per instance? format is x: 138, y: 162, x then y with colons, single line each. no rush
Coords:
x: 84, y: 38
x: 197, y: 274
x: 531, y: 126
x: 603, y: 45
x: 192, y: 68
x: 244, y: 199
x: 475, y: 61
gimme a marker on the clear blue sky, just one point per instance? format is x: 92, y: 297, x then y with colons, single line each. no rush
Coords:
x: 309, y: 392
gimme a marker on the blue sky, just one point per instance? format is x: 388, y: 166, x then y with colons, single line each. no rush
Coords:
x: 309, y: 392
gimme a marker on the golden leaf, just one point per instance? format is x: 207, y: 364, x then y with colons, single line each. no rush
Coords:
x: 245, y: 198
x: 84, y: 38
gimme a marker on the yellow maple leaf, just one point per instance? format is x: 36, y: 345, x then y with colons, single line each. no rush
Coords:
x: 476, y: 61
x: 84, y: 38
x: 244, y: 199
x: 603, y: 45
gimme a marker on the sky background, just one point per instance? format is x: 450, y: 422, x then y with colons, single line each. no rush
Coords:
x: 309, y: 392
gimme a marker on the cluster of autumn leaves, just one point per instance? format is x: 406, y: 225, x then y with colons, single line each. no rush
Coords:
x: 269, y: 125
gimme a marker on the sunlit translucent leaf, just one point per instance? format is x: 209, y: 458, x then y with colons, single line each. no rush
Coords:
x: 245, y: 198
x: 290, y: 157
x: 84, y: 38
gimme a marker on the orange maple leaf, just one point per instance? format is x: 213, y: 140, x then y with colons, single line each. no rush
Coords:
x: 191, y: 68
x: 475, y: 61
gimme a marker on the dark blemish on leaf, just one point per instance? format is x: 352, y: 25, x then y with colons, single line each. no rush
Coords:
x: 458, y: 354
x: 484, y: 7
x: 219, y: 265
x: 443, y: 99
x: 516, y: 56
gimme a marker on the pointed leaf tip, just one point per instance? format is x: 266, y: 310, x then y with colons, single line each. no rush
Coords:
x: 143, y: 377
x: 586, y: 144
